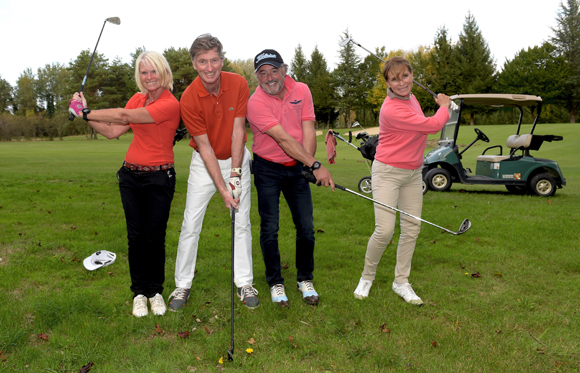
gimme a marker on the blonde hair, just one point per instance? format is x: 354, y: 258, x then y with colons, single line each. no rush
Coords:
x: 160, y: 64
x: 396, y: 65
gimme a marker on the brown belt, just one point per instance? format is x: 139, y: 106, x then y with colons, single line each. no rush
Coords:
x: 138, y: 167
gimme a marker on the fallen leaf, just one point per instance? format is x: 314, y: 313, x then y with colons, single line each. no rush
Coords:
x: 499, y: 275
x: 73, y: 227
x: 476, y: 239
x: 43, y: 336
x: 183, y: 334
x: 62, y: 259
x: 291, y: 339
x: 434, y: 344
x: 39, y: 244
x: 198, y: 320
x: 320, y: 231
x: 251, y: 341
x: 549, y: 202
x: 208, y: 330
x: 158, y: 329
x: 75, y: 259
x: 384, y: 328
x: 194, y: 329
x: 498, y: 331
x: 199, y: 358
x: 110, y: 274
x: 86, y: 368
x: 476, y: 275
x: 285, y: 266
x: 462, y: 266
x: 217, y: 235
x: 433, y: 241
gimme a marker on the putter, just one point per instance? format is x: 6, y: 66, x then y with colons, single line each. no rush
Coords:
x: 231, y: 350
x: 464, y: 227
x: 114, y: 20
x: 343, y: 43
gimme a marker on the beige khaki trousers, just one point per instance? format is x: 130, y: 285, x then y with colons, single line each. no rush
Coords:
x: 402, y: 189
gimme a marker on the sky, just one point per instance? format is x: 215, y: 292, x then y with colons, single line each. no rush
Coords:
x: 36, y: 33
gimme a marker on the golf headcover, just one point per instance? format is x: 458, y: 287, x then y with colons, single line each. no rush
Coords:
x: 235, y: 186
x: 75, y: 107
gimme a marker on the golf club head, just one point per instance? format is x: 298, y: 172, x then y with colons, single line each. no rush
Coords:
x: 230, y: 355
x: 115, y: 20
x: 464, y: 227
x: 356, y: 124
x: 344, y: 42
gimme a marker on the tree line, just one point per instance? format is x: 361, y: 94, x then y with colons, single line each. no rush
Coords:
x: 37, y: 107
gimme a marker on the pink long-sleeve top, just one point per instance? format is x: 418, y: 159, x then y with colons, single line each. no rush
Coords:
x: 403, y: 130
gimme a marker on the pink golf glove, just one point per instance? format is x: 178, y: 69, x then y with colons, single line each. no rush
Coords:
x: 75, y: 107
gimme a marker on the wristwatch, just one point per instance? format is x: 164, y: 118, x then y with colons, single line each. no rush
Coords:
x: 315, y: 166
x: 237, y: 171
x: 85, y: 112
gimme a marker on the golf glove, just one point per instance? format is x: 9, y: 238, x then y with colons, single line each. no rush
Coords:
x: 75, y: 107
x: 235, y: 186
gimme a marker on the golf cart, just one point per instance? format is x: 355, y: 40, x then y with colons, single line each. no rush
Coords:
x: 519, y: 171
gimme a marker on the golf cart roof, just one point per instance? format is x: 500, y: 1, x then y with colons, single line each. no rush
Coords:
x: 498, y: 99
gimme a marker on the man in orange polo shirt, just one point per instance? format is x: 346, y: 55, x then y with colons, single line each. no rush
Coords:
x: 213, y: 109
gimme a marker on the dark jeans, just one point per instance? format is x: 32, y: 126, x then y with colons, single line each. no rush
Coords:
x: 146, y: 198
x: 270, y: 179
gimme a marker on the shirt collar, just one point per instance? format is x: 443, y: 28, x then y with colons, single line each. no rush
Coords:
x: 393, y: 95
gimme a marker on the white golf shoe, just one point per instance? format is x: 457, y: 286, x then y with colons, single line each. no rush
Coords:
x: 363, y: 288
x: 406, y: 292
x: 158, y: 305
x: 140, y: 306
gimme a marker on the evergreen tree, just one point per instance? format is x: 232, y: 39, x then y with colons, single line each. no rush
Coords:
x: 25, y: 94
x: 50, y: 88
x: 299, y: 66
x: 567, y: 41
x: 443, y: 73
x: 5, y: 95
x: 322, y: 89
x: 347, y: 81
x: 475, y: 63
x: 182, y: 69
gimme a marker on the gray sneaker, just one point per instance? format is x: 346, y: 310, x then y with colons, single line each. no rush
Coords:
x: 178, y: 298
x: 248, y: 295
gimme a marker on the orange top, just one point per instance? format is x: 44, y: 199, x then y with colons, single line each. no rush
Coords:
x: 206, y: 114
x: 152, y: 143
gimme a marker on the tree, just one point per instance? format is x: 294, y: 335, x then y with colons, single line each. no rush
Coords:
x: 116, y: 89
x: 443, y: 72
x: 536, y: 71
x: 475, y: 63
x: 183, y: 72
x: 299, y: 66
x: 347, y: 80
x: 322, y: 88
x: 25, y: 94
x: 5, y: 95
x: 50, y: 87
x: 567, y: 41
x: 369, y: 68
x: 245, y: 68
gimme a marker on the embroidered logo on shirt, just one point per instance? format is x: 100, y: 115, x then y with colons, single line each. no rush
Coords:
x: 296, y: 102
x: 231, y: 109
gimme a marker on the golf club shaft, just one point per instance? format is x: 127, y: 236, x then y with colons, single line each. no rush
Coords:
x: 414, y: 81
x: 231, y: 351
x: 343, y: 139
x: 71, y: 117
x: 393, y: 208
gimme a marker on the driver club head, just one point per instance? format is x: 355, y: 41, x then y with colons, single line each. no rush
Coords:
x: 344, y: 42
x: 464, y: 227
x: 115, y: 20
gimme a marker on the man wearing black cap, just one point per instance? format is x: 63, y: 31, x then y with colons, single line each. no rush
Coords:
x: 281, y: 116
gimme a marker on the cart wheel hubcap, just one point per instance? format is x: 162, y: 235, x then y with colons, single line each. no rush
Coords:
x: 439, y: 181
x: 544, y: 186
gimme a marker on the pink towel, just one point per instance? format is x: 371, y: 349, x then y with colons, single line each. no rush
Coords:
x: 330, y: 147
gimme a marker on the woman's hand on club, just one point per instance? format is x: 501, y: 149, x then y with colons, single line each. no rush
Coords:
x: 443, y: 100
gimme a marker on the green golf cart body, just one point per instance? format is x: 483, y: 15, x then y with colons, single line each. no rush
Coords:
x: 517, y: 169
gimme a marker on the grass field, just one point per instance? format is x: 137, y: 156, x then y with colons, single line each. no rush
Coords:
x: 59, y: 203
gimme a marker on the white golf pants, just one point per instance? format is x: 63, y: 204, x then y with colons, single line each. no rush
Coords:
x: 200, y: 189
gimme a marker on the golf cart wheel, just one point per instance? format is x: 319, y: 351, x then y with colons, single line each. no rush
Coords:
x: 365, y: 185
x: 543, y: 185
x: 424, y: 186
x: 439, y: 179
x: 516, y: 189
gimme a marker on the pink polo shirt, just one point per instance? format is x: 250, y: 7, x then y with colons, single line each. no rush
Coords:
x: 266, y: 111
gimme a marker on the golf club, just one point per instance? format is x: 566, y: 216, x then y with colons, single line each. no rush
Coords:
x: 343, y: 43
x: 114, y: 20
x: 231, y: 350
x: 464, y: 227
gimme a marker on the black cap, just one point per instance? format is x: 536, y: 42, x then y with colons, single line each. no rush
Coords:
x: 267, y: 57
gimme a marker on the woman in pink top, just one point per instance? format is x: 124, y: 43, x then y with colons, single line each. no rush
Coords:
x: 396, y: 175
x: 147, y: 177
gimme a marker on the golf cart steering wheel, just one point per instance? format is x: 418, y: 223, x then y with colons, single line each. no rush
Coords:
x: 481, y: 135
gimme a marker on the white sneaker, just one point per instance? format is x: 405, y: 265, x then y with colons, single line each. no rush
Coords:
x: 158, y: 305
x: 140, y: 306
x: 407, y: 293
x: 363, y: 288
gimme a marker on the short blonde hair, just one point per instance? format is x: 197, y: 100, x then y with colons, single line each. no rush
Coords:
x: 396, y: 65
x: 157, y: 61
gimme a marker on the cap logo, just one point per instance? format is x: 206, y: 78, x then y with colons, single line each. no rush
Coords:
x: 265, y: 55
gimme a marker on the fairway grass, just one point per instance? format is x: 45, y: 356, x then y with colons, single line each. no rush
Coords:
x: 502, y: 297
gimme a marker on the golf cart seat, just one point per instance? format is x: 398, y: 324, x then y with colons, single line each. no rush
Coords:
x: 513, y: 142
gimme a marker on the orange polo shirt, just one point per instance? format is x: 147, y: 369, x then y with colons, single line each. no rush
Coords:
x: 152, y: 143
x: 206, y: 114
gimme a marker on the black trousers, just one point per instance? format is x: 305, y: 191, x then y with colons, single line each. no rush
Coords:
x: 146, y: 198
